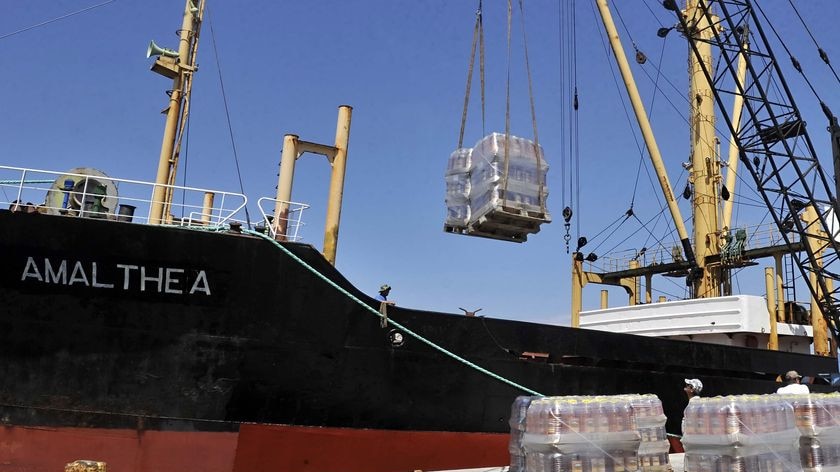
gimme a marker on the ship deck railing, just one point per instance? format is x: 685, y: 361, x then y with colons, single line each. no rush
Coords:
x: 290, y: 220
x: 98, y: 196
x: 763, y: 235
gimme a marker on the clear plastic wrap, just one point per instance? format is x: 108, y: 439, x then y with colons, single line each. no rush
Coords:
x: 590, y: 434
x: 458, y: 187
x: 477, y: 192
x: 518, y: 414
x: 749, y: 433
x: 526, y: 170
x: 817, y: 418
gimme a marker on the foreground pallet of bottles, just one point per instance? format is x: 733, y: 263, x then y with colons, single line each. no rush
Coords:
x: 763, y: 433
x: 626, y: 433
x: 623, y: 433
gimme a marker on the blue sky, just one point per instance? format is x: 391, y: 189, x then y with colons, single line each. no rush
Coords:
x: 77, y: 92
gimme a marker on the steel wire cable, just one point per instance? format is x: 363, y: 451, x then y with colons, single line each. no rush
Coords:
x: 792, y: 58
x: 68, y: 15
x: 820, y: 51
x: 227, y: 117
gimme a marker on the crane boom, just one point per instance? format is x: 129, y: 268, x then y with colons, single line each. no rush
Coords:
x: 774, y: 146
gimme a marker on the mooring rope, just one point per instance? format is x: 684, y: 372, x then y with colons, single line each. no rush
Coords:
x: 378, y: 314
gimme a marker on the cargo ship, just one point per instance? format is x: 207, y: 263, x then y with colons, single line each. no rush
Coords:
x: 202, y: 342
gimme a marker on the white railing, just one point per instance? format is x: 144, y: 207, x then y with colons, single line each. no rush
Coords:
x: 108, y: 198
x: 290, y: 225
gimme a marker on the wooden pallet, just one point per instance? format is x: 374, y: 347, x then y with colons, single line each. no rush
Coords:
x: 505, y: 224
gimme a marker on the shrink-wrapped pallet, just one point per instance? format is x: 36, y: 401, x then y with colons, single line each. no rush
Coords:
x: 497, y: 193
x: 525, y: 187
x: 744, y: 433
x: 580, y: 434
x: 817, y: 418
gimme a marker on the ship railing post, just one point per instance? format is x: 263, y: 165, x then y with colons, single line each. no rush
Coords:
x: 207, y: 208
x: 284, y: 186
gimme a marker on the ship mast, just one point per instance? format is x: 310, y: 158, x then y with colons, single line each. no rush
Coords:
x: 704, y: 170
x: 178, y: 66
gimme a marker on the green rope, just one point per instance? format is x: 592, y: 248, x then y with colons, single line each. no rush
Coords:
x: 375, y: 312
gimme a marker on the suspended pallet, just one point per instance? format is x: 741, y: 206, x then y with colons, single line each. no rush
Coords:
x: 495, y: 192
x: 498, y: 188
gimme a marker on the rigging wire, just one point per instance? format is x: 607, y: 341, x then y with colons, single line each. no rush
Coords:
x: 68, y: 15
x: 478, y: 37
x: 652, y: 13
x: 227, y: 116
x: 617, y: 85
x: 569, y: 118
x: 540, y: 175
x: 793, y: 60
x: 820, y: 51
x: 621, y: 95
x: 185, y: 163
x: 565, y: 158
x: 576, y: 119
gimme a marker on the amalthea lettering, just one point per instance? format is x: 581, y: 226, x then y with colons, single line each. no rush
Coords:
x: 127, y: 277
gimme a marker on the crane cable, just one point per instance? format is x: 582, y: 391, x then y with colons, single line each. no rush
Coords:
x: 537, y: 149
x: 540, y: 179
x: 478, y: 37
x: 820, y: 51
x: 793, y: 60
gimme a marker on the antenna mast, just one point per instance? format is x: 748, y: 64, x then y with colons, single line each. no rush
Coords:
x: 179, y: 66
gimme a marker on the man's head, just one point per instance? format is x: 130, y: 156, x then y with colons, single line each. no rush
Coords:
x: 792, y: 377
x: 385, y: 288
x: 693, y: 387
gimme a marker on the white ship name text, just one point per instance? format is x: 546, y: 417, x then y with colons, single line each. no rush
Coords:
x: 170, y: 280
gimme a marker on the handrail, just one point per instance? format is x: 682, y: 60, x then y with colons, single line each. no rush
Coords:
x: 98, y: 196
x: 293, y: 221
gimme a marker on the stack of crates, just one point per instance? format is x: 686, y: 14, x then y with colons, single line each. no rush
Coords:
x: 818, y: 421
x: 504, y: 193
x: 743, y: 433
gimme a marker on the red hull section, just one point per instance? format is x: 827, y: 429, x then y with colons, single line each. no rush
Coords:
x: 48, y: 449
x: 255, y: 447
x: 291, y: 448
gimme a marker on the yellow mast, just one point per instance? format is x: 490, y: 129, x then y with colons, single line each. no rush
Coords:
x: 705, y: 164
x: 180, y: 70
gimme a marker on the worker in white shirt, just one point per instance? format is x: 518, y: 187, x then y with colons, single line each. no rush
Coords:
x: 793, y: 384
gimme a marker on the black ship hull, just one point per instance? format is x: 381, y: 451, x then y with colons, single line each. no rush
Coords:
x: 123, y: 327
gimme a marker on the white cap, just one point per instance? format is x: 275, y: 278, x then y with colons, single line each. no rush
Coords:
x: 696, y: 384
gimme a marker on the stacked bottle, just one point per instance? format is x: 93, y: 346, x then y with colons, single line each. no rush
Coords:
x: 650, y: 422
x: 818, y: 421
x: 458, y: 187
x: 517, y: 428
x: 526, y: 168
x: 580, y: 434
x: 744, y: 433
